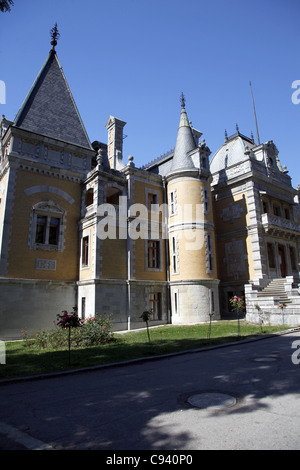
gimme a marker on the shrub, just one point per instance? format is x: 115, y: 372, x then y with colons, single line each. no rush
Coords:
x: 92, y: 331
x: 96, y: 330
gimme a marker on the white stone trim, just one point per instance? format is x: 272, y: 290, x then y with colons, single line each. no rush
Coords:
x: 49, y: 189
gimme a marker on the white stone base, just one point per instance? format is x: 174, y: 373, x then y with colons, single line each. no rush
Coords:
x: 125, y: 300
x: 30, y: 305
x: 275, y: 319
x: 193, y: 302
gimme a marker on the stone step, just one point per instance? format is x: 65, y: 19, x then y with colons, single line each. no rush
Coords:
x: 275, y: 288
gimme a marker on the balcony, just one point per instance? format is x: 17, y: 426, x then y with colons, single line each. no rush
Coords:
x: 279, y: 226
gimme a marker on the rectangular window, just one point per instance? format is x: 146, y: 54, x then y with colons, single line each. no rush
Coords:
x: 41, y: 225
x: 47, y: 230
x: 212, y: 301
x: 83, y: 308
x: 209, y: 242
x: 53, y: 231
x: 174, y: 255
x: 210, y: 263
x: 276, y: 210
x: 85, y: 251
x: 209, y: 253
x: 152, y: 200
x: 265, y: 207
x: 155, y: 305
x: 205, y: 201
x: 175, y: 302
x: 153, y: 254
x: 172, y: 203
x: 89, y: 197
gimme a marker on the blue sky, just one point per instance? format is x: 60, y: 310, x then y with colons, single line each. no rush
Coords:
x: 133, y: 58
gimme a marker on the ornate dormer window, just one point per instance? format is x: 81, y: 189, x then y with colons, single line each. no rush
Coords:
x: 47, y: 226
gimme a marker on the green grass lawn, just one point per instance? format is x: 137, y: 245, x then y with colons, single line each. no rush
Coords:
x: 23, y: 359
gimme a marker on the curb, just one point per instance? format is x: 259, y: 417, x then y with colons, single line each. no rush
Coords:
x: 142, y: 359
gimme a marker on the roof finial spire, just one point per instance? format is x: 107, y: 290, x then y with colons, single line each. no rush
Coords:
x: 54, y: 36
x: 182, y: 99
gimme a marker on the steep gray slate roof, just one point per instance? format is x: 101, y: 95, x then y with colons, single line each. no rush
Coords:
x: 185, y: 142
x: 50, y: 109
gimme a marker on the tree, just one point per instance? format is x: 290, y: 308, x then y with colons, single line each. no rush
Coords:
x: 67, y: 320
x: 238, y: 305
x: 5, y: 5
x: 146, y: 317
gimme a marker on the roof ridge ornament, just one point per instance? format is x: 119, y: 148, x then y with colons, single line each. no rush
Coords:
x: 182, y: 99
x: 54, y: 35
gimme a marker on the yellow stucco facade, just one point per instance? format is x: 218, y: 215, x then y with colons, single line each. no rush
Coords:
x: 179, y: 236
x: 22, y: 255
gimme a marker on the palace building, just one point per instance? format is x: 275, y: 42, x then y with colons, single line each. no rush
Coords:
x: 81, y: 226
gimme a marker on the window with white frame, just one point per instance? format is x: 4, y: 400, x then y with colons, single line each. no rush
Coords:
x: 153, y: 252
x: 174, y: 255
x: 172, y: 202
x: 209, y: 253
x: 155, y: 305
x: 47, y: 226
x: 85, y: 251
x: 175, y: 302
x: 205, y: 201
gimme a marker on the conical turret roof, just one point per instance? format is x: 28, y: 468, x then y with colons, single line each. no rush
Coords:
x: 185, y: 142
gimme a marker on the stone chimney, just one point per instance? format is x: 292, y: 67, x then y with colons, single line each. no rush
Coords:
x: 115, y: 127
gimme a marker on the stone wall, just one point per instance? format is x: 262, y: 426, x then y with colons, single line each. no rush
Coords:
x: 193, y: 302
x: 125, y: 300
x: 31, y: 305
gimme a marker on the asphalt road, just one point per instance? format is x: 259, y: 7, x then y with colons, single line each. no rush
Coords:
x: 144, y: 406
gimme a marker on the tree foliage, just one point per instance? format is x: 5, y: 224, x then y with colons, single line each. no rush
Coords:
x: 5, y: 5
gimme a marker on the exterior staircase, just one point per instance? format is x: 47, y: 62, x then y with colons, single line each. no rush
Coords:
x: 275, y: 288
x: 262, y: 303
